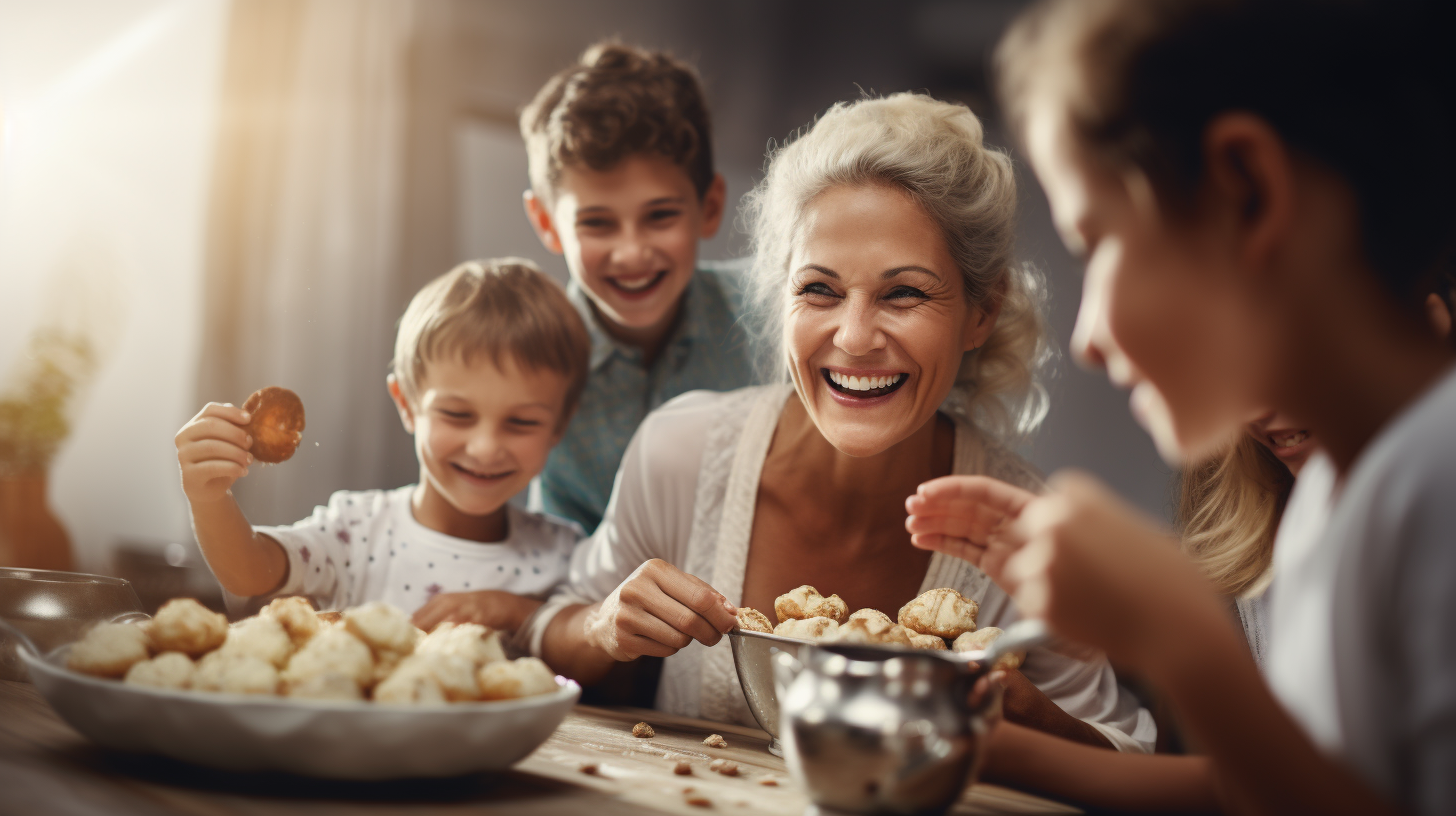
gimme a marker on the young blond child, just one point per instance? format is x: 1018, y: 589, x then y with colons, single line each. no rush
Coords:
x: 489, y: 364
x: 622, y: 185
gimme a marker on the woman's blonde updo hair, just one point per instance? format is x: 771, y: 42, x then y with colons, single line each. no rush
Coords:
x: 933, y: 151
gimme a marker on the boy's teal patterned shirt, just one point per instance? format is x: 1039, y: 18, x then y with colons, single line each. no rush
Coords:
x: 708, y: 349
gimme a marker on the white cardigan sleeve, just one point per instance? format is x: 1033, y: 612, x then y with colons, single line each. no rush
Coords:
x: 649, y: 514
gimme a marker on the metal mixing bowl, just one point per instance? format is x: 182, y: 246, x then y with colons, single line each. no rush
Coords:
x: 752, y: 657
x: 53, y: 608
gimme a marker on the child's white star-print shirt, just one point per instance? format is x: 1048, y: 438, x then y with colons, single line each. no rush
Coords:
x: 366, y: 546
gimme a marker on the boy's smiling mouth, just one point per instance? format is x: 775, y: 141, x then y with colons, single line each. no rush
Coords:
x: 479, y: 476
x: 639, y: 285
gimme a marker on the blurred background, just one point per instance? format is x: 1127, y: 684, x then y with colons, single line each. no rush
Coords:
x: 199, y: 198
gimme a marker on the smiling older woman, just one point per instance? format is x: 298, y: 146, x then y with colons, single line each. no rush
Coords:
x: 887, y: 294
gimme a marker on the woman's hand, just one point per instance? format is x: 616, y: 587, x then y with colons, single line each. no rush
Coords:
x: 968, y: 517
x: 212, y: 450
x: 491, y: 608
x: 658, y: 610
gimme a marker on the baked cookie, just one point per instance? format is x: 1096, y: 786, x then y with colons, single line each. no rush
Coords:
x: 383, y: 627
x: 919, y: 641
x: 806, y: 602
x: 817, y: 628
x: 297, y: 616
x: 235, y: 674
x: 262, y: 637
x: 982, y: 638
x: 332, y: 650
x: 277, y: 423
x: 872, y: 630
x: 752, y: 620
x: 942, y: 612
x: 471, y: 641
x: 413, y: 682
x: 186, y: 626
x: 509, y: 679
x: 329, y: 685
x: 109, y: 649
x: 872, y: 614
x: 168, y: 670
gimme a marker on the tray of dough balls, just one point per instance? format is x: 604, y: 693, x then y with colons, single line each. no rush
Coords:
x: 358, y: 694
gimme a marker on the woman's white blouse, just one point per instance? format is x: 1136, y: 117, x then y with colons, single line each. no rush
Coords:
x: 686, y: 493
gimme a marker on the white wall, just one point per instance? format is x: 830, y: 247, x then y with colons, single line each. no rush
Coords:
x: 108, y: 110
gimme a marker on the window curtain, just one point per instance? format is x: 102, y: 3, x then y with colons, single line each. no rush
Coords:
x: 304, y: 236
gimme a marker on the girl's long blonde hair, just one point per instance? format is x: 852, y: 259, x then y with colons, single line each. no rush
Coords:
x: 1229, y: 508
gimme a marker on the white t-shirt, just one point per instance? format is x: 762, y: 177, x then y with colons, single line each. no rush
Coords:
x: 1362, y: 610
x: 367, y: 546
x: 686, y: 493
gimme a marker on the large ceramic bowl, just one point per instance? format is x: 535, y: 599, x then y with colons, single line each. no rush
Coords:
x: 336, y: 740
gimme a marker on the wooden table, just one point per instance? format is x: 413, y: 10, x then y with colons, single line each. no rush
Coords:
x: 46, y: 767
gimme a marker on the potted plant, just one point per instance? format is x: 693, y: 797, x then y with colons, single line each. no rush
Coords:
x: 34, y: 421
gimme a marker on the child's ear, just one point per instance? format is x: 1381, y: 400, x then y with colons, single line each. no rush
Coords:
x: 540, y: 217
x: 715, y: 200
x: 401, y: 404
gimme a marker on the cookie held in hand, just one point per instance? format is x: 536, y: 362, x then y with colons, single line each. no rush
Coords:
x: 277, y: 425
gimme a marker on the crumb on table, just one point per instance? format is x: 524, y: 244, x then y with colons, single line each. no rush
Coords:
x: 643, y: 730
x: 683, y: 768
x: 715, y: 741
x: 698, y: 800
x: 724, y: 767
x: 769, y: 782
x: 589, y: 768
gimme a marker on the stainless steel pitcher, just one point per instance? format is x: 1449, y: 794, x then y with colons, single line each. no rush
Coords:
x: 881, y: 730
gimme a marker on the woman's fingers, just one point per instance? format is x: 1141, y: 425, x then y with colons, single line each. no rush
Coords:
x: 697, y: 595
x: 662, y: 605
x: 659, y: 624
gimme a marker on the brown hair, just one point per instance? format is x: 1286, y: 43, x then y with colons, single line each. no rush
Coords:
x: 618, y: 101
x: 501, y: 307
x: 1360, y: 86
x: 1229, y: 508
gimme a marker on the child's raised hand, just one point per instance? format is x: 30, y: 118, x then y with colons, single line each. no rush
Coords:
x: 1102, y: 574
x: 968, y: 517
x: 212, y: 450
x: 491, y: 608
